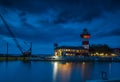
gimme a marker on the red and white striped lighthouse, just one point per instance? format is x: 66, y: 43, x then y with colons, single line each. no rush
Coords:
x: 85, y: 39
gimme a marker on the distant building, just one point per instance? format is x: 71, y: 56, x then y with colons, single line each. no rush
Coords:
x: 74, y: 50
x: 116, y: 51
x: 70, y: 51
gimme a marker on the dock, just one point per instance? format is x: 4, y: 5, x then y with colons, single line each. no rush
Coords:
x: 61, y: 58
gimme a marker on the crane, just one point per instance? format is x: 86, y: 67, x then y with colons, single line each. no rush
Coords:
x: 27, y: 53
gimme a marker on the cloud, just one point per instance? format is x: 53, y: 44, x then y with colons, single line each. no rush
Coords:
x: 49, y: 21
x: 85, y: 10
x: 44, y: 35
x: 69, y: 10
x: 3, y: 31
x: 114, y: 32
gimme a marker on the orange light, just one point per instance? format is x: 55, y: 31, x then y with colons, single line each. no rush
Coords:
x: 86, y: 36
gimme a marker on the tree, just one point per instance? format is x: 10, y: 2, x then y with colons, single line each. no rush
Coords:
x: 100, y: 48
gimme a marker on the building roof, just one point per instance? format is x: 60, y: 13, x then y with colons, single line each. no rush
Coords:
x: 69, y: 47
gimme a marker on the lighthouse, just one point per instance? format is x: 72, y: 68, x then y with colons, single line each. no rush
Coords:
x: 85, y: 39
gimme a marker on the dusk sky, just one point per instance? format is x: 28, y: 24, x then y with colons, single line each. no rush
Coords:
x: 45, y: 22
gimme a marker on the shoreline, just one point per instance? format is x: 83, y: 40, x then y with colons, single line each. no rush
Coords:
x: 64, y: 59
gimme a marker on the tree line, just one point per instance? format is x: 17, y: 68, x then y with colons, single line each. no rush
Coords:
x: 100, y: 48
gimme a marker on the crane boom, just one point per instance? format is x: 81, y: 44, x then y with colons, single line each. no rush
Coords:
x: 12, y: 34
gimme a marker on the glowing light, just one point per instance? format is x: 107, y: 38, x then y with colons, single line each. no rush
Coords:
x: 55, y: 53
x: 83, y: 62
x: 106, y: 54
x: 77, y: 50
x: 96, y: 53
x: 102, y: 54
x: 56, y: 57
x: 55, y: 69
x: 86, y: 36
x: 113, y: 54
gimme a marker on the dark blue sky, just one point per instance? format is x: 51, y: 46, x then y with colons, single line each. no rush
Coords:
x: 45, y: 22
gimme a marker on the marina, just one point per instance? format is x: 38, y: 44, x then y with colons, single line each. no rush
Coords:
x: 83, y: 53
x: 59, y: 40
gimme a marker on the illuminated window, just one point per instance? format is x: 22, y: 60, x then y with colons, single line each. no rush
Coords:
x: 113, y: 54
x: 77, y: 51
x: 56, y: 54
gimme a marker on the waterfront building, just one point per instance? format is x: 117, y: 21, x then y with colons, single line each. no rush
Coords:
x: 116, y: 51
x: 70, y: 51
x: 74, y: 50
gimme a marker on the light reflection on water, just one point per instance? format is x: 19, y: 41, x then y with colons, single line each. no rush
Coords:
x: 55, y: 67
x: 70, y: 72
x: 17, y: 71
x: 64, y: 70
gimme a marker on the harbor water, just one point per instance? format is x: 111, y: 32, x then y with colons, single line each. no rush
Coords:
x: 38, y: 71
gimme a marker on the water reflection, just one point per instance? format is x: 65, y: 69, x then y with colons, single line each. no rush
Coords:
x: 55, y: 67
x: 83, y: 71
x: 87, y: 71
x: 19, y: 71
x: 70, y: 72
x: 66, y: 72
x: 27, y: 64
x: 62, y: 71
x: 110, y: 68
